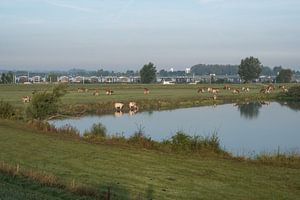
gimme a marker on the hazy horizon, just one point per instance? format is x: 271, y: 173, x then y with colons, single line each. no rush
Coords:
x: 126, y: 34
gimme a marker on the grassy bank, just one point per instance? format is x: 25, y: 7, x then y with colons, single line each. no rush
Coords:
x: 135, y: 172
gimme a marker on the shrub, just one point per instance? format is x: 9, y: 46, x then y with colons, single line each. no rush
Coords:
x: 183, y: 142
x: 45, y: 103
x: 294, y: 93
x: 98, y: 130
x: 7, y: 111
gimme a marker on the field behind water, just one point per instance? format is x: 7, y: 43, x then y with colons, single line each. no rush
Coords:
x: 125, y: 92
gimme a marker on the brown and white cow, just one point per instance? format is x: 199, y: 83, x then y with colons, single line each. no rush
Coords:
x: 146, y: 91
x: 26, y: 99
x: 109, y: 92
x: 119, y: 106
x: 133, y: 106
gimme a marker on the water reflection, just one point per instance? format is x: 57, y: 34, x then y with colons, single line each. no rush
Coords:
x: 275, y: 125
x: 249, y: 110
x: 292, y: 105
x: 118, y: 114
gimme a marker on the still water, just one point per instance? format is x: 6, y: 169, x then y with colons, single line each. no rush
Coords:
x: 243, y: 129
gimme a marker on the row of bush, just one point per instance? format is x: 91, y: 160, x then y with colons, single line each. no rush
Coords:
x: 180, y: 142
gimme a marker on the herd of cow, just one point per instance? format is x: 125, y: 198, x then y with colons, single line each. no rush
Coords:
x: 265, y: 90
x: 119, y: 106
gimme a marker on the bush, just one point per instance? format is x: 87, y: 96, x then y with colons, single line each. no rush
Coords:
x: 45, y: 104
x: 98, y: 130
x: 7, y: 111
x: 183, y: 142
x: 294, y: 93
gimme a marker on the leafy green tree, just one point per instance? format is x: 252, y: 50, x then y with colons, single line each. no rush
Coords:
x: 284, y: 76
x: 7, y: 77
x: 148, y: 73
x: 45, y: 103
x: 52, y: 77
x: 249, y: 69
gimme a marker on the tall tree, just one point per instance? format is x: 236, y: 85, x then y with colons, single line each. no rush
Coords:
x: 249, y: 69
x: 7, y: 78
x: 148, y: 73
x: 284, y: 76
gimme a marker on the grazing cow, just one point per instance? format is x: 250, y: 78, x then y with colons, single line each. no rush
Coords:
x: 133, y: 106
x: 236, y: 91
x: 215, y: 91
x: 26, y: 99
x: 96, y: 93
x: 80, y: 90
x: 226, y: 87
x: 86, y: 90
x: 201, y: 90
x: 119, y: 106
x: 146, y: 91
x: 209, y: 89
x: 109, y: 92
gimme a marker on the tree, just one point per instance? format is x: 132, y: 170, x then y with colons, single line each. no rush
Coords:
x: 148, y: 73
x: 45, y: 103
x: 284, y: 76
x: 52, y: 77
x: 249, y: 69
x: 7, y: 78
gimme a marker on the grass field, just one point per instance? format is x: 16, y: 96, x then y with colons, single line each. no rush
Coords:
x: 164, y: 95
x: 144, y: 174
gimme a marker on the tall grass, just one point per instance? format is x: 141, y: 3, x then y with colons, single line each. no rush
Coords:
x: 7, y: 111
x: 46, y: 179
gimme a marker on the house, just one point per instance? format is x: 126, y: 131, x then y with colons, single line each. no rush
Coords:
x: 63, y: 79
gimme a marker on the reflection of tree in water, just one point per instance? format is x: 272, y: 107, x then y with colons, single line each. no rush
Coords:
x: 292, y: 105
x: 250, y: 110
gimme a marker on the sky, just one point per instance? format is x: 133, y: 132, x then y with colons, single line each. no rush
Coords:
x: 126, y: 34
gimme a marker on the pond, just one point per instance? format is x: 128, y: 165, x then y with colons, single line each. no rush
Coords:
x: 243, y: 129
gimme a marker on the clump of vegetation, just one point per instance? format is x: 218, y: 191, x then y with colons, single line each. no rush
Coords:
x: 139, y: 138
x: 294, y: 93
x: 97, y: 130
x: 46, y: 127
x: 7, y: 111
x: 45, y: 104
x: 183, y: 142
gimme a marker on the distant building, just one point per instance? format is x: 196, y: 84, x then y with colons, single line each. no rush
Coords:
x: 63, y: 79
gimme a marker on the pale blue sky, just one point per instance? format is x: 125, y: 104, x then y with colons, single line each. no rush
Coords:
x: 125, y: 34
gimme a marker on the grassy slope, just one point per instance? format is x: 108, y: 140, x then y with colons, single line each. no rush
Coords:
x: 19, y: 188
x: 134, y: 172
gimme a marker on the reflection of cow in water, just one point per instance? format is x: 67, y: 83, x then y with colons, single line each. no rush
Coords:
x: 118, y: 114
x: 119, y: 106
x: 26, y: 99
x: 146, y: 91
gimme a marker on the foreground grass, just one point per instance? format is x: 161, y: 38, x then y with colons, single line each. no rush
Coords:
x: 20, y: 188
x: 145, y: 174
